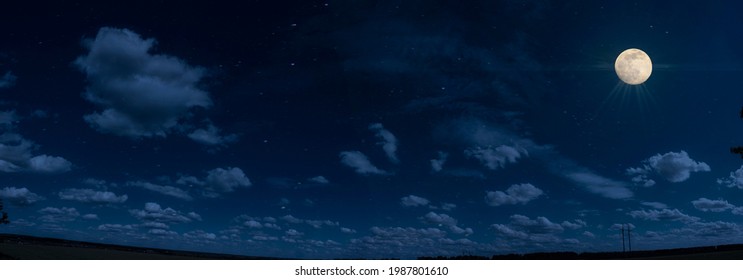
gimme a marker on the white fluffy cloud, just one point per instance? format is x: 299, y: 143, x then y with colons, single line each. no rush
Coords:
x: 360, y: 163
x: 19, y: 196
x: 313, y: 223
x: 445, y: 221
x: 663, y: 215
x: 293, y: 232
x: 91, y: 196
x: 262, y: 223
x: 162, y: 232
x: 410, y: 242
x: 538, y: 225
x: 704, y: 204
x: 152, y: 212
x: 539, y: 230
x: 57, y: 215
x: 210, y: 136
x: 200, y: 235
x: 575, y: 224
x: 674, y: 167
x: 735, y: 180
x: 253, y: 224
x: 16, y: 154
x: 115, y: 227
x: 218, y: 181
x: 154, y: 225
x: 388, y: 141
x: 408, y: 232
x: 640, y: 176
x: 291, y: 219
x: 440, y: 219
x: 413, y: 201
x: 140, y: 94
x: 225, y: 180
x: 498, y: 157
x: 49, y: 164
x: 166, y: 190
x: 515, y: 194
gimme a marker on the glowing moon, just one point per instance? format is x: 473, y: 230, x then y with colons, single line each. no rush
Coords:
x: 633, y: 66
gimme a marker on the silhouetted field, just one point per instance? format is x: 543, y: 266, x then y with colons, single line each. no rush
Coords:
x: 22, y: 247
x: 721, y: 252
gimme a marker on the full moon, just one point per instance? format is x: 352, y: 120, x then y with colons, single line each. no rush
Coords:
x: 633, y: 66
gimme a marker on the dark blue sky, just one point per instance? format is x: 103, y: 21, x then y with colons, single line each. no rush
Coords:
x: 337, y: 129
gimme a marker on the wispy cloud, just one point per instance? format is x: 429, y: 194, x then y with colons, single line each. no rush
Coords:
x: 153, y: 212
x: 92, y: 196
x: 656, y: 205
x: 600, y: 185
x: 319, y: 180
x: 413, y: 201
x: 663, y: 215
x: 58, y: 215
x: 163, y: 189
x: 360, y: 163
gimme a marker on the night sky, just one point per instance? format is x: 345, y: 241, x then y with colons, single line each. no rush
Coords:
x: 373, y: 129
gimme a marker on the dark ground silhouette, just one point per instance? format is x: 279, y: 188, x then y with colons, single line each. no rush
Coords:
x: 29, y: 247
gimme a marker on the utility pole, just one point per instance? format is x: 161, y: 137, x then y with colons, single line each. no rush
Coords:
x: 629, y: 237
x: 4, y: 217
x: 623, y: 250
x: 739, y: 149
